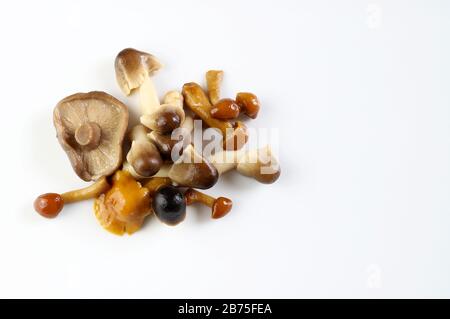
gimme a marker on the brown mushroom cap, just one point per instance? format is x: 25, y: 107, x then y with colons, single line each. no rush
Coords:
x: 164, y: 143
x: 90, y: 128
x: 221, y: 207
x: 260, y: 164
x: 133, y: 67
x: 164, y: 120
x: 192, y: 170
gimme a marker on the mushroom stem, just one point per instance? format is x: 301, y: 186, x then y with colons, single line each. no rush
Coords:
x: 234, y: 136
x: 139, y: 133
x: 213, y: 81
x: 259, y: 164
x: 174, y: 98
x: 49, y: 205
x: 163, y: 171
x: 193, y: 196
x: 198, y: 102
x: 219, y: 206
x: 88, y: 135
x: 149, y: 101
x: 93, y: 190
x: 226, y: 160
x: 155, y: 183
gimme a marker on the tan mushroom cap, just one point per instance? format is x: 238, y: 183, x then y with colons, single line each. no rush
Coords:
x: 133, y: 67
x: 90, y: 128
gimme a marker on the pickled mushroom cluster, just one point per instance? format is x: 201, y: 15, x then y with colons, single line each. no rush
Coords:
x: 153, y: 167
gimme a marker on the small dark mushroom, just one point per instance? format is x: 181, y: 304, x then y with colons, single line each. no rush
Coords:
x: 169, y: 205
x: 167, y: 116
x: 143, y: 156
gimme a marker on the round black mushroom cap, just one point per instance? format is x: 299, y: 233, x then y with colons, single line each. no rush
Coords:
x: 169, y: 205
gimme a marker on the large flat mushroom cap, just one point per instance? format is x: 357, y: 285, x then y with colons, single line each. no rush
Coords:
x: 90, y: 128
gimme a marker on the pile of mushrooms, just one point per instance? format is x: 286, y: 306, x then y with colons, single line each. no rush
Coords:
x: 152, y: 167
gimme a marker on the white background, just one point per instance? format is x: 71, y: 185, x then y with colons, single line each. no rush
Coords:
x: 359, y: 91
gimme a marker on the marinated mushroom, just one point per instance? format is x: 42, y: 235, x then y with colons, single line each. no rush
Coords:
x: 213, y: 81
x: 143, y: 155
x: 90, y: 128
x: 134, y: 70
x: 169, y: 116
x: 167, y: 142
x: 192, y: 170
x: 124, y: 207
x: 234, y: 136
x: 259, y: 164
x: 219, y: 206
x: 169, y: 205
x: 50, y: 204
x: 248, y: 104
x: 228, y: 109
x: 225, y: 109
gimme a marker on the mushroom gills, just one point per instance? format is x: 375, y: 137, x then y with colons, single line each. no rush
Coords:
x: 90, y: 128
